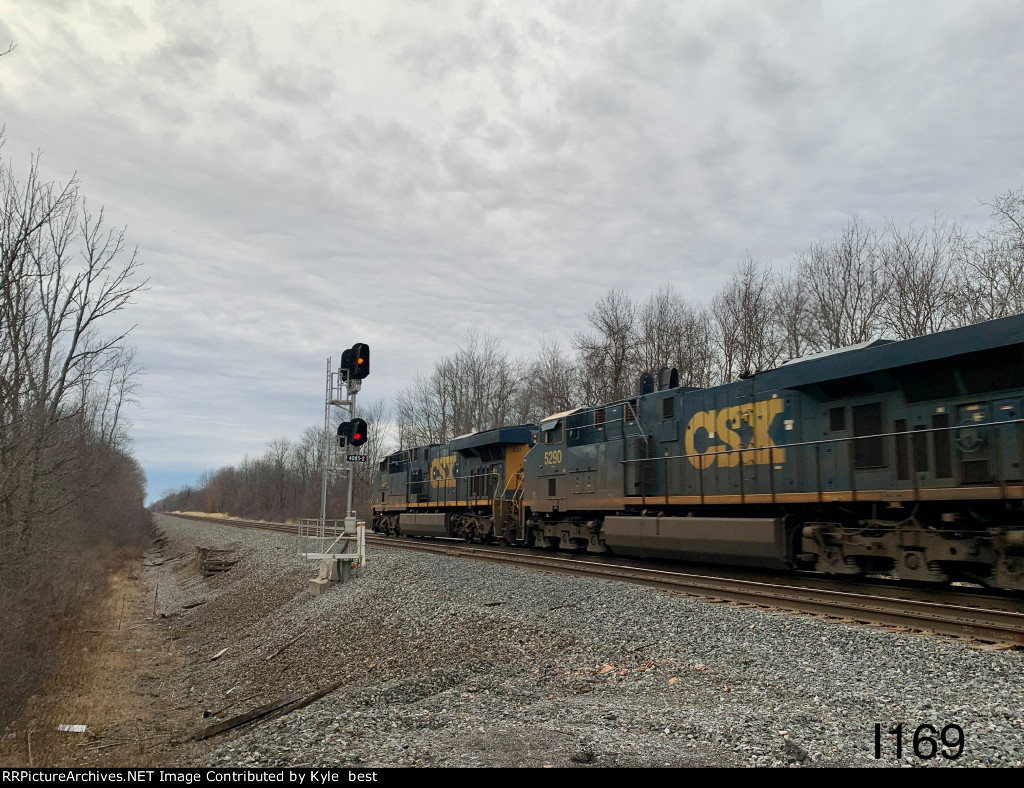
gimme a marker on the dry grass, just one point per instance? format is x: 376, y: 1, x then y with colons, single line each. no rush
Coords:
x: 106, y: 660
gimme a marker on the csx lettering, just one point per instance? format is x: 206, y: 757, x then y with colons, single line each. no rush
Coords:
x: 442, y: 472
x: 553, y: 457
x: 730, y: 429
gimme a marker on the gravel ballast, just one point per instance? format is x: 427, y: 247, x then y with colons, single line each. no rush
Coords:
x: 447, y: 662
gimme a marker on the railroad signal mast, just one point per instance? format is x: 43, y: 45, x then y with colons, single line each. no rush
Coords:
x: 342, y: 387
x: 355, y: 366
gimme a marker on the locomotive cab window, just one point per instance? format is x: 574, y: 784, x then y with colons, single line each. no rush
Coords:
x: 668, y: 408
x: 836, y: 419
x: 554, y: 435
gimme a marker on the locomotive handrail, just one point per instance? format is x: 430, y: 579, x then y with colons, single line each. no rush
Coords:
x: 641, y: 429
x: 828, y: 440
x: 508, y: 481
x: 452, y: 501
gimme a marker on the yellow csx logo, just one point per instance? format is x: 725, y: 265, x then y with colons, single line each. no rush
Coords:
x: 442, y: 472
x: 739, y: 427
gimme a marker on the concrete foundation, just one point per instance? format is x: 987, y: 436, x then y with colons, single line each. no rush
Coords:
x: 317, y: 586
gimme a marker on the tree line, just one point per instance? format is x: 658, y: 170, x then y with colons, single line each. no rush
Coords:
x: 284, y: 483
x: 898, y: 281
x: 70, y: 489
x: 893, y: 280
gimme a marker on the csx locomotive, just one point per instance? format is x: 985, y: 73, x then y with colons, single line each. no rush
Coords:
x: 901, y: 458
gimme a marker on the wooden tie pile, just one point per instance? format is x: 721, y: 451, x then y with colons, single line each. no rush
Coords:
x: 210, y: 560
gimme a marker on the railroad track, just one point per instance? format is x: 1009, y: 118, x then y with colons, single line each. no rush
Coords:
x: 963, y: 614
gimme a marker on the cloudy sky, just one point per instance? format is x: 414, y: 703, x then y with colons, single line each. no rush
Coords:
x: 301, y: 176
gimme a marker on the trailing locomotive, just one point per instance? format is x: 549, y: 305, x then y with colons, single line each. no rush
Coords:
x: 471, y: 488
x: 903, y: 458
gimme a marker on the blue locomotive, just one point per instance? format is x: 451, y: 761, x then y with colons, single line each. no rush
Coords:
x: 471, y: 488
x: 902, y: 458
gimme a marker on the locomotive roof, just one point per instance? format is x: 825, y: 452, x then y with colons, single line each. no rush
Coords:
x: 878, y: 357
x: 522, y: 433
x: 548, y: 422
x: 397, y: 453
x: 837, y: 351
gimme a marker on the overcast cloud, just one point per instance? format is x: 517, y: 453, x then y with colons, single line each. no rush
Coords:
x: 301, y: 176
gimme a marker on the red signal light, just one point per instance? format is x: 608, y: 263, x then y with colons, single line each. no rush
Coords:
x: 358, y: 432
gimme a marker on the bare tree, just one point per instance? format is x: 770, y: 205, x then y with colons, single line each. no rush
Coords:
x: 1008, y: 213
x: 66, y: 478
x: 552, y: 380
x: 847, y: 286
x: 990, y: 280
x: 744, y: 317
x: 917, y: 265
x: 672, y: 333
x: 605, y: 359
x: 793, y: 315
x: 659, y: 325
x: 62, y: 272
x: 695, y: 355
x: 478, y: 387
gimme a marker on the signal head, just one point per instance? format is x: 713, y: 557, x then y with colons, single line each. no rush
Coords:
x: 357, y: 434
x: 359, y: 361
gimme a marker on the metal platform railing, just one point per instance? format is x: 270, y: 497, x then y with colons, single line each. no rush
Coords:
x: 336, y: 539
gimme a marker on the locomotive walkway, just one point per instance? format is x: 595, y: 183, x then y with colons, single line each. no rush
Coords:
x: 962, y: 613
